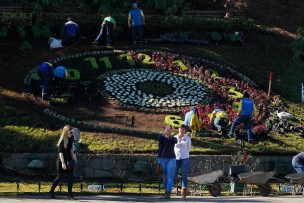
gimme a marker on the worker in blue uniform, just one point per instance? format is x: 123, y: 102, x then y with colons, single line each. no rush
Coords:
x: 136, y: 21
x: 246, y: 112
x: 70, y: 32
x: 45, y: 71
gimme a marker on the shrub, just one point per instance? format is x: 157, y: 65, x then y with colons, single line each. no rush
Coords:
x: 299, y: 46
x: 203, y: 24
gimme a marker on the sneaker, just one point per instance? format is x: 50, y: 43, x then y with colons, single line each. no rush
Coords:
x: 165, y: 196
x: 71, y: 197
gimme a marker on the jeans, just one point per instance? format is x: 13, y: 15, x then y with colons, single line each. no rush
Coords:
x: 105, y: 33
x: 168, y: 165
x: 242, y: 119
x: 220, y: 123
x: 44, y: 82
x: 137, y: 33
x: 183, y: 165
x: 297, y: 165
x: 60, y: 174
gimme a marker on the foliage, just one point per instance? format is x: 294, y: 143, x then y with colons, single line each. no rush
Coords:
x: 232, y: 37
x: 25, y: 46
x: 168, y: 7
x: 210, y: 24
x: 299, y: 46
x: 41, y: 31
x: 3, y: 32
x: 21, y: 32
x: 104, y: 6
x: 43, y: 5
x: 216, y: 37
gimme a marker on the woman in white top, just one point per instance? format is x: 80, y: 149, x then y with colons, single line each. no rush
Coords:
x: 182, y: 149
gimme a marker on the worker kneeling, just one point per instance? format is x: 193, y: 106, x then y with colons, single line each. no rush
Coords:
x: 60, y: 74
x: 70, y: 32
x: 219, y: 118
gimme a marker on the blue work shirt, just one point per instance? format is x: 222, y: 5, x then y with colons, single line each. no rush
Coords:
x: 46, y: 68
x: 71, y: 29
x: 247, y: 107
x: 60, y: 72
x: 136, y: 17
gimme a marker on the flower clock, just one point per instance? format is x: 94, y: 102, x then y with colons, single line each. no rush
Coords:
x: 151, y: 81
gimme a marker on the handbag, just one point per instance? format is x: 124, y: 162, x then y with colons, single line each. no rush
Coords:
x: 159, y: 169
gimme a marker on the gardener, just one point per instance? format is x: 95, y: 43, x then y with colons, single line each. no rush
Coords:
x: 182, y: 149
x: 298, y: 162
x: 219, y: 118
x: 70, y: 32
x: 188, y: 117
x: 167, y: 159
x: 107, y: 27
x: 136, y: 20
x: 45, y: 71
x: 60, y: 74
x: 246, y: 111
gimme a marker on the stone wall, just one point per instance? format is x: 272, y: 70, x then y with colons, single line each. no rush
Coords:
x: 138, y: 166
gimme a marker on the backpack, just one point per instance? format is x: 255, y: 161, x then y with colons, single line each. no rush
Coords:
x: 76, y: 142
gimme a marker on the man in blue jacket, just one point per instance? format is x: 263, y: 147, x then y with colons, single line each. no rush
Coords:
x: 70, y: 32
x: 136, y: 21
x: 246, y: 112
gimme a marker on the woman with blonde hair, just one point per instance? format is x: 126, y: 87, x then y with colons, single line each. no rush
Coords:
x: 66, y: 160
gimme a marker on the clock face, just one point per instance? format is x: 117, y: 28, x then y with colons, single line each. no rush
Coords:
x: 143, y: 80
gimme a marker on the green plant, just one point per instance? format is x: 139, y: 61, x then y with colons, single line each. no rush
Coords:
x: 41, y: 31
x: 211, y: 24
x: 104, y: 6
x: 232, y: 37
x: 168, y: 7
x: 216, y: 37
x: 21, y: 32
x: 184, y: 35
x: 298, y: 46
x: 25, y: 46
x: 3, y: 32
x: 43, y: 5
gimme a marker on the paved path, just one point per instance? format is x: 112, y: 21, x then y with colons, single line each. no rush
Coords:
x: 138, y: 199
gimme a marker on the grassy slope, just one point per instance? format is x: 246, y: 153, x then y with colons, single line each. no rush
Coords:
x: 24, y: 132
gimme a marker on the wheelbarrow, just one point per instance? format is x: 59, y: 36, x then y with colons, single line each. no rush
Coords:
x: 258, y: 178
x: 209, y: 178
x: 297, y: 179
